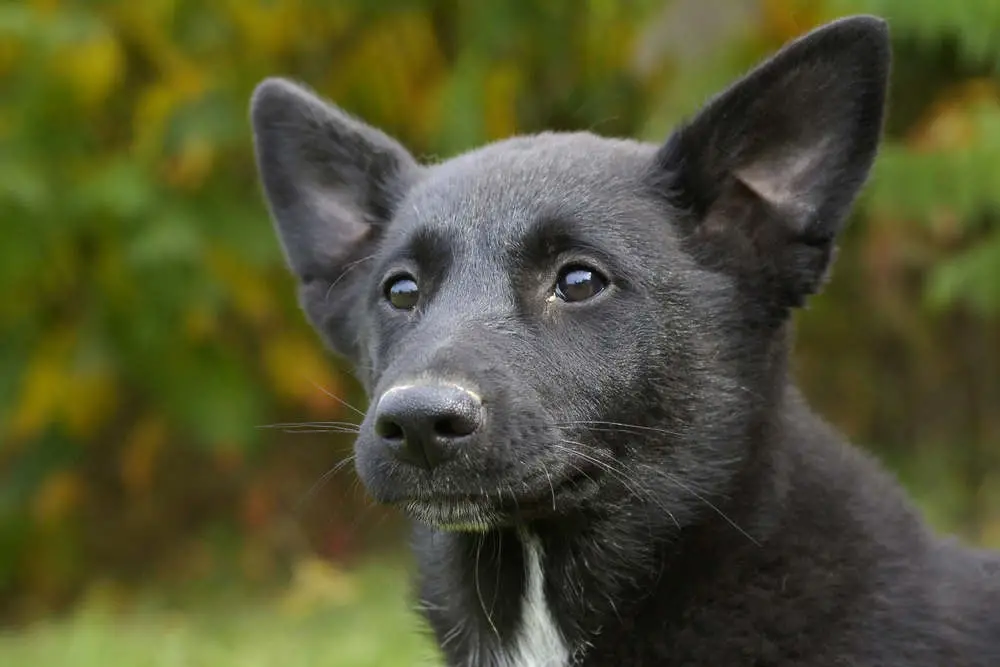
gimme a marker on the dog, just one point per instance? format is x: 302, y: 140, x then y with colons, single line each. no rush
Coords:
x: 576, y: 353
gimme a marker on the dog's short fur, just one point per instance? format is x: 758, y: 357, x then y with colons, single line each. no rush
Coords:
x: 637, y: 481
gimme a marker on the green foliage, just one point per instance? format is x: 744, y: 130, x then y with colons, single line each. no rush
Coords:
x: 373, y: 629
x: 973, y: 24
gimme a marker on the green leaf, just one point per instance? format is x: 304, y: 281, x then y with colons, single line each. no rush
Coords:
x: 971, y: 279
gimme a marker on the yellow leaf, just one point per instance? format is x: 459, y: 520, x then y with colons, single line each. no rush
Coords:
x: 297, y: 371
x: 143, y: 25
x: 59, y: 494
x: 787, y: 19
x: 45, y: 7
x: 157, y: 104
x: 192, y: 165
x: 316, y: 584
x: 951, y: 123
x: 251, y: 293
x: 90, y: 399
x: 401, y: 47
x: 54, y: 389
x: 608, y: 38
x: 141, y: 451
x: 10, y: 52
x: 200, y: 324
x: 269, y: 28
x: 94, y: 67
x: 502, y: 83
x: 43, y: 389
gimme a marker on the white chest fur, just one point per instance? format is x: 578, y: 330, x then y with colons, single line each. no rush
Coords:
x: 538, y: 641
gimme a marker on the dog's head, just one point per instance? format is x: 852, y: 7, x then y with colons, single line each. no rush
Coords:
x: 555, y: 323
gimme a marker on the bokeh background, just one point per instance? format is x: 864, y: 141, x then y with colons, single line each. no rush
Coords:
x: 152, y: 509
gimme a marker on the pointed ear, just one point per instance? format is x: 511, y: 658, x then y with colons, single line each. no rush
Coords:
x: 769, y: 169
x: 332, y: 184
x: 331, y: 181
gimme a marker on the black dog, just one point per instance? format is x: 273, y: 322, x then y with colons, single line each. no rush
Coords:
x: 576, y: 353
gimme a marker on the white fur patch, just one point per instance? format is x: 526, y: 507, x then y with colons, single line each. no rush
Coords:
x: 538, y: 642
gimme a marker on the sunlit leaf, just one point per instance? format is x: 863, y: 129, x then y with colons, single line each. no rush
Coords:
x: 249, y: 291
x: 91, y: 396
x: 298, y: 371
x: 94, y: 67
x: 500, y: 99
x: 43, y: 386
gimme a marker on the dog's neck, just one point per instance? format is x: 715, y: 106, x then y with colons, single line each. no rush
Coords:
x: 510, y: 598
x: 538, y: 596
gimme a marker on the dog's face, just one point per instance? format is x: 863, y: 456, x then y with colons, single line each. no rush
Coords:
x: 562, y: 323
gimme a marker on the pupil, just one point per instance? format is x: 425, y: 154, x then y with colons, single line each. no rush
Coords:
x: 403, y: 293
x: 579, y: 285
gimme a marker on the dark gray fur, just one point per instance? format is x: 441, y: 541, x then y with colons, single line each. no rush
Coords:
x: 691, y: 508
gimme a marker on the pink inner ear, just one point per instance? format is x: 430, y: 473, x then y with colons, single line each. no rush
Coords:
x: 786, y: 179
x: 338, y: 227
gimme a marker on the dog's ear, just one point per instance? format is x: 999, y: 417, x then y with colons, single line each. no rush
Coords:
x: 332, y: 184
x: 768, y: 170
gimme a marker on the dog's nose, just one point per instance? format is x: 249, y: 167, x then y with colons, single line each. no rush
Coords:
x: 423, y: 425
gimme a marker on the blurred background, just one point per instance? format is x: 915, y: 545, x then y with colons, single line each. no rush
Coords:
x: 152, y: 509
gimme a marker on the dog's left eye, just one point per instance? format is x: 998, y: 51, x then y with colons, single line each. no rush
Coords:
x: 402, y: 292
x: 579, y: 283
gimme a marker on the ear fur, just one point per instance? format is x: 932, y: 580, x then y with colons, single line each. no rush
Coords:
x: 768, y: 170
x: 332, y: 184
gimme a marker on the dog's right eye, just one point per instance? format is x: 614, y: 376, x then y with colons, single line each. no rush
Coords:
x: 579, y: 283
x: 402, y: 292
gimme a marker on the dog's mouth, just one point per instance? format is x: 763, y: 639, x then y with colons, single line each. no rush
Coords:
x: 483, y: 512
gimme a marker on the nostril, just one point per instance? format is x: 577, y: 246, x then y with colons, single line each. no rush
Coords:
x: 388, y: 429
x: 455, y: 426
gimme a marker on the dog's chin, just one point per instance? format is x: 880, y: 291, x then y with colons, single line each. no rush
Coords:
x: 456, y: 516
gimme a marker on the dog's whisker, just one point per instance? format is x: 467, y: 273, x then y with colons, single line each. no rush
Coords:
x: 479, y: 589
x: 338, y: 399
x: 603, y: 465
x: 318, y: 429
x: 291, y: 424
x: 673, y: 479
x: 314, y: 427
x: 324, y: 478
x: 306, y: 431
x: 621, y: 474
x: 638, y: 427
x: 552, y: 488
x: 343, y: 274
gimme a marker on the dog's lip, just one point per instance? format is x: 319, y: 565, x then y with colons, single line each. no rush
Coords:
x: 548, y: 496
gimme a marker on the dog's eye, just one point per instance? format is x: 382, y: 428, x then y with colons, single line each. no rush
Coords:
x: 402, y: 292
x: 578, y: 283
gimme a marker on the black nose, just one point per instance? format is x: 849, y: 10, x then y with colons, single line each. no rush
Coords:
x: 424, y: 424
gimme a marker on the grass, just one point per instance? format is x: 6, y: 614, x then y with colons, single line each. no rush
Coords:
x: 357, y: 620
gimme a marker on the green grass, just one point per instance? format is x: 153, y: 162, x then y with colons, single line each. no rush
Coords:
x: 362, y: 621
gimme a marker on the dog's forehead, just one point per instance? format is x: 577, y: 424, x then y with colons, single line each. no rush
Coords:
x: 503, y: 187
